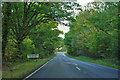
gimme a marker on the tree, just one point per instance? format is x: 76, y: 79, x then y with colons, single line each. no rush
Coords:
x: 95, y: 31
x: 32, y: 14
x: 45, y: 38
x: 6, y: 24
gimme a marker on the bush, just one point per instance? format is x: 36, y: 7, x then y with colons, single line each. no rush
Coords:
x: 27, y: 47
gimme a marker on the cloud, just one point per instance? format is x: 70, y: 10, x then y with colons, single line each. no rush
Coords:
x: 65, y: 29
x: 84, y: 2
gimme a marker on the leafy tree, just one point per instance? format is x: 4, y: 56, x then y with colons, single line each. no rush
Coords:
x: 6, y: 25
x: 25, y: 16
x: 45, y: 38
x: 95, y: 32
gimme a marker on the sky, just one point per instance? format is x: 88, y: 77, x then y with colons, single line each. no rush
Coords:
x: 65, y: 29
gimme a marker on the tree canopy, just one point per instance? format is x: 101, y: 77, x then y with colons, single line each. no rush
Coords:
x: 94, y: 32
x: 31, y: 27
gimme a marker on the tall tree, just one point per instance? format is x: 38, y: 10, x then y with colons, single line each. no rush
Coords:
x: 25, y: 16
x: 6, y: 24
x: 95, y: 31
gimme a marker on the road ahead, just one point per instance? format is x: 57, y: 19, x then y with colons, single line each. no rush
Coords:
x: 64, y: 67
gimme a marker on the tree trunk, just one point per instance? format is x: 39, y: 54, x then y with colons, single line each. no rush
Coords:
x: 6, y: 25
x: 19, y: 48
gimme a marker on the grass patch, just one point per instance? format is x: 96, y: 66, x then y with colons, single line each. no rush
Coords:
x: 105, y: 62
x: 22, y: 69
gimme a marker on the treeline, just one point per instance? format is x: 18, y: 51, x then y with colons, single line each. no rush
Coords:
x: 95, y: 32
x: 31, y: 27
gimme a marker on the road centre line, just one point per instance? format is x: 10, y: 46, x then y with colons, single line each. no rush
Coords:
x: 68, y: 62
x: 78, y: 68
x: 75, y: 64
x: 72, y: 63
x: 63, y: 54
x: 36, y: 70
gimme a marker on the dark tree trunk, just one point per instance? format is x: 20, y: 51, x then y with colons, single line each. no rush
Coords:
x: 6, y: 26
x: 19, y: 49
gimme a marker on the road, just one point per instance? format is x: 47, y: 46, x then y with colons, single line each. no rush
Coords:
x: 62, y: 66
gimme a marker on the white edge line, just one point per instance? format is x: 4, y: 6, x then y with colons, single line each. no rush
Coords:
x: 78, y: 68
x: 36, y: 70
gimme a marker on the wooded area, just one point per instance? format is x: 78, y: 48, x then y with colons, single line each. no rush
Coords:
x: 31, y: 28
x: 94, y: 33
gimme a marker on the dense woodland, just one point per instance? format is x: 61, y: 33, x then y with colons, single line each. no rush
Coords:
x: 31, y: 28
x: 94, y: 33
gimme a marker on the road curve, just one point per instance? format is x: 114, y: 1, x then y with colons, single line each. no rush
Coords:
x: 62, y: 66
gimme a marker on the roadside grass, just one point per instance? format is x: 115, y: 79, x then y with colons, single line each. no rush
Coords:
x: 104, y: 62
x: 22, y: 69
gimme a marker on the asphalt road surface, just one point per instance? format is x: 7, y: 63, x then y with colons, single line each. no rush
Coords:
x: 62, y: 66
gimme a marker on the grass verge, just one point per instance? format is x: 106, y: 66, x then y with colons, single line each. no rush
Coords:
x: 104, y: 62
x: 22, y: 69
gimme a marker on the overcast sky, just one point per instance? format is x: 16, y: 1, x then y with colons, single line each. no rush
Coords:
x: 65, y: 29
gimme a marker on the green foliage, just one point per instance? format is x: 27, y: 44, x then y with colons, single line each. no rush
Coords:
x: 10, y: 50
x: 45, y: 38
x: 106, y: 62
x: 22, y: 69
x: 32, y: 27
x: 27, y: 47
x: 95, y: 32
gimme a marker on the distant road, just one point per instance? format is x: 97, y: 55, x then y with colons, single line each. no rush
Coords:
x: 64, y: 67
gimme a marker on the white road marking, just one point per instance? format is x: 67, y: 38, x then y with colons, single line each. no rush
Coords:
x: 36, y: 70
x: 78, y: 68
x: 68, y: 62
x: 76, y: 64
x: 63, y: 54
